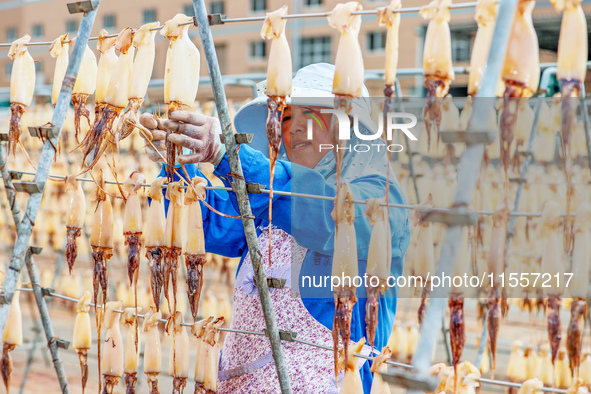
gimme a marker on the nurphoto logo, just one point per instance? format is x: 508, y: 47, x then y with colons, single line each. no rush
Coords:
x: 344, y: 122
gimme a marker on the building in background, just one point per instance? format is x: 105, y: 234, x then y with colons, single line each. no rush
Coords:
x: 240, y: 49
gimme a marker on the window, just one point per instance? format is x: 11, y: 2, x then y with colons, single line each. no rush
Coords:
x: 460, y: 46
x: 315, y: 50
x: 37, y: 31
x: 8, y: 70
x: 376, y: 41
x: 38, y: 66
x: 109, y: 21
x: 149, y: 15
x: 312, y: 3
x: 258, y: 5
x: 189, y: 10
x: 217, y: 7
x: 11, y: 34
x: 257, y: 50
x: 71, y: 26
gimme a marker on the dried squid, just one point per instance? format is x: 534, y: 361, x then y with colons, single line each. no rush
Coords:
x: 378, y: 386
x: 115, y: 98
x: 279, y: 72
x: 424, y: 259
x: 195, y: 250
x: 437, y: 62
x: 496, y: 266
x: 349, y: 72
x: 132, y: 348
x: 74, y: 218
x: 152, y: 350
x: 59, y: 50
x: 208, y: 355
x: 11, y: 338
x: 532, y: 386
x: 390, y: 18
x: 181, y: 76
x: 485, y: 15
x: 85, y: 85
x: 352, y: 383
x: 379, y: 260
x: 179, y: 352
x: 155, y: 239
x: 521, y: 74
x: 553, y: 264
x: 132, y: 227
x: 22, y: 85
x: 82, y: 338
x: 101, y: 241
x: 113, y: 358
x: 173, y: 246
x: 572, y: 67
x: 579, y: 287
x: 344, y: 266
x: 457, y: 328
x: 143, y: 41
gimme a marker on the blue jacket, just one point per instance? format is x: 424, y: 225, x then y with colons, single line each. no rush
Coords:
x: 312, y: 227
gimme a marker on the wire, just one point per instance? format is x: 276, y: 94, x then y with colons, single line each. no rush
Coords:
x: 304, y: 342
x: 311, y: 196
x: 262, y: 18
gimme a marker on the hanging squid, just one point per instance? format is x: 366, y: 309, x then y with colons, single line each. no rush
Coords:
x: 457, y: 328
x: 390, y: 18
x: 82, y: 338
x: 113, y: 358
x: 352, y: 383
x: 572, y: 67
x: 101, y: 241
x: 179, y: 359
x: 437, y: 62
x: 155, y: 239
x: 85, y: 85
x: 553, y: 264
x: 181, y: 76
x: 11, y: 338
x: 579, y: 288
x: 74, y: 218
x: 344, y: 264
x: 132, y: 227
x: 379, y: 260
x: 378, y: 386
x: 279, y: 75
x: 349, y: 71
x: 485, y: 15
x: 59, y: 50
x: 208, y: 354
x: 195, y: 250
x: 132, y: 348
x: 152, y: 350
x: 22, y: 85
x: 173, y: 246
x: 424, y: 261
x: 115, y: 97
x: 521, y: 74
x: 143, y: 41
x: 496, y: 266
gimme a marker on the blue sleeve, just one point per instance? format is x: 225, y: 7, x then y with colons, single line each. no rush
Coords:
x: 223, y: 236
x: 311, y: 224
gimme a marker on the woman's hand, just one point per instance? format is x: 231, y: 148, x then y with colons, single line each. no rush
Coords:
x: 198, y: 133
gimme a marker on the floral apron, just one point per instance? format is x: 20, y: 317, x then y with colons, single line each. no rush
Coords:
x: 246, y: 362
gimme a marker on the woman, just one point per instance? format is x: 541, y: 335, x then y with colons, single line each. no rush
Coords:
x: 303, y: 231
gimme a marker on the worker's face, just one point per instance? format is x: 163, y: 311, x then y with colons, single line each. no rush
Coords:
x: 300, y: 149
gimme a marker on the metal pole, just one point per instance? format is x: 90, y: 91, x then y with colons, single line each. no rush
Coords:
x: 469, y: 168
x: 239, y: 187
x: 25, y: 226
